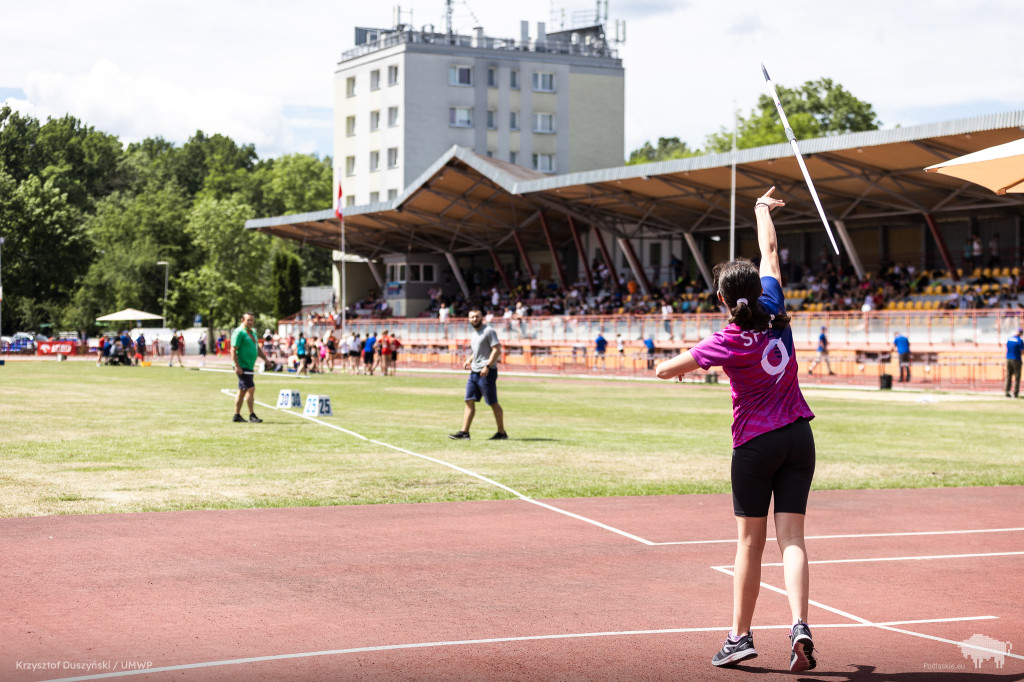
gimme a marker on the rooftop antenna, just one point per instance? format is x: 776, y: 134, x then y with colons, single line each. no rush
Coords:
x: 448, y: 18
x: 399, y: 14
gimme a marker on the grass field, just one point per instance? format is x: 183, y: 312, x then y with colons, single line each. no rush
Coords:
x: 80, y: 439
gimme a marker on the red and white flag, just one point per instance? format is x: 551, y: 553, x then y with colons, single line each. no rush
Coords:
x: 337, y: 204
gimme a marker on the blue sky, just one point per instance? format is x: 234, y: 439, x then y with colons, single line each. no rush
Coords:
x: 262, y: 72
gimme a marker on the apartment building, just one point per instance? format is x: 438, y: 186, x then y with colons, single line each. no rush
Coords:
x: 551, y: 102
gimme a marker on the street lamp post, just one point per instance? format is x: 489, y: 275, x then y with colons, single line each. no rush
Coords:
x: 167, y: 270
x: 1, y: 286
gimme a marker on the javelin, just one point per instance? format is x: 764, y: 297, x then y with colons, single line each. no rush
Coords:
x: 251, y: 374
x: 799, y: 158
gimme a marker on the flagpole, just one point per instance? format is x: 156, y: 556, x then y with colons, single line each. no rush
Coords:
x: 732, y: 199
x: 341, y: 217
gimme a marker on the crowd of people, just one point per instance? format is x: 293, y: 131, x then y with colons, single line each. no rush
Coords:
x: 122, y: 349
x: 351, y: 353
x: 830, y: 287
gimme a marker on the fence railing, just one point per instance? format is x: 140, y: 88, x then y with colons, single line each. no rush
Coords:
x: 960, y: 329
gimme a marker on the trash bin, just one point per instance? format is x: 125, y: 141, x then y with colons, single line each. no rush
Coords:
x: 885, y: 382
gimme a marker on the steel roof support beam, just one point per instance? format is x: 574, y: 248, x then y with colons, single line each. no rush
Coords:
x: 554, y: 252
x: 636, y: 266
x: 941, y: 243
x: 698, y: 258
x: 609, y: 263
x: 851, y: 251
x: 501, y: 269
x: 583, y: 255
x: 522, y: 254
x: 454, y: 265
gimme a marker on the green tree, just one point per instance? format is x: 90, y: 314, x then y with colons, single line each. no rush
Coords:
x: 45, y: 250
x: 235, y: 272
x: 129, y: 234
x: 300, y: 183
x: 668, y: 148
x: 287, y: 277
x: 815, y: 109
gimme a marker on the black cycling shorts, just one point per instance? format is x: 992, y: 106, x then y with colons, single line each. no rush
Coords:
x: 779, y: 463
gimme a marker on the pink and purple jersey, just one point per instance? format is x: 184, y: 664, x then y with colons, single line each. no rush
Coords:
x: 762, y: 371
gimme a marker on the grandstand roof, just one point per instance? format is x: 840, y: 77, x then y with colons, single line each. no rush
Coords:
x: 467, y: 203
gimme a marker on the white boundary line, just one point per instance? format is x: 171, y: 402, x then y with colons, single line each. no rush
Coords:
x: 493, y: 640
x: 866, y: 622
x: 480, y: 477
x: 858, y: 535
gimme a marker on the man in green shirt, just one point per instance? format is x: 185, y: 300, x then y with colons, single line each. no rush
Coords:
x: 244, y: 351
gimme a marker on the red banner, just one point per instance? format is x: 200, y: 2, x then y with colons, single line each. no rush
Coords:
x: 56, y: 348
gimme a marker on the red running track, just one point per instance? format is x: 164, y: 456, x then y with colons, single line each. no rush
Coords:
x: 510, y: 590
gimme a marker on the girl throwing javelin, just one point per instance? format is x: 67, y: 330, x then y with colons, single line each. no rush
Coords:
x: 773, y: 447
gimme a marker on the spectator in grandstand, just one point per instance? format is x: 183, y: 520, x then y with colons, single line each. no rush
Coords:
x: 773, y: 446
x: 994, y: 259
x: 901, y: 345
x: 822, y: 353
x: 1013, y: 361
x: 483, y: 377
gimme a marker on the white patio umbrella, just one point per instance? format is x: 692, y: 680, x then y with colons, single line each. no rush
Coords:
x: 128, y: 315
x: 999, y: 168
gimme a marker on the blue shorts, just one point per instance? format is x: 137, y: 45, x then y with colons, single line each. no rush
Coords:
x: 483, y: 386
x: 245, y: 380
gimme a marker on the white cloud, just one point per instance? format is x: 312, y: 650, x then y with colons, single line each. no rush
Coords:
x: 262, y: 72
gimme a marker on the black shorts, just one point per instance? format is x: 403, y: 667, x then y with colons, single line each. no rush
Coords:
x: 245, y: 380
x: 368, y: 358
x: 779, y: 463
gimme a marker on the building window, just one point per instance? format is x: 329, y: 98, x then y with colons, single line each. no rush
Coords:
x: 545, y: 163
x: 350, y: 200
x: 392, y: 194
x: 490, y: 153
x: 393, y: 157
x: 492, y: 77
x: 393, y: 75
x: 350, y: 86
x: 513, y: 120
x: 374, y: 197
x: 350, y: 126
x: 396, y: 272
x: 460, y: 117
x: 350, y: 165
x: 374, y: 161
x: 492, y: 119
x: 375, y: 79
x: 543, y: 123
x: 654, y: 254
x: 513, y: 157
x: 392, y: 116
x: 374, y: 120
x: 544, y: 82
x: 460, y: 75
x: 418, y: 272
x: 513, y: 79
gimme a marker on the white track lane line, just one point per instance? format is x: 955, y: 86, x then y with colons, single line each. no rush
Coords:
x: 866, y: 622
x: 494, y: 640
x: 859, y: 535
x: 480, y: 477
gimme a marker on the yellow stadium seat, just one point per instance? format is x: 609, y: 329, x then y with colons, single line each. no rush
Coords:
x: 987, y: 272
x: 918, y: 304
x: 976, y: 273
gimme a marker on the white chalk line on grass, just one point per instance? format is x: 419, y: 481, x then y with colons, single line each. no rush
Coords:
x: 480, y: 477
x: 492, y: 640
x: 864, y: 621
x: 599, y: 524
